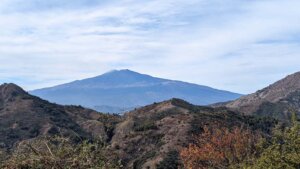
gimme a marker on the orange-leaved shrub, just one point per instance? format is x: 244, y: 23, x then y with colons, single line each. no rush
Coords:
x: 220, y: 148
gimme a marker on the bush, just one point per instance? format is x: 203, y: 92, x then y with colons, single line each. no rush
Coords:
x: 283, y: 151
x: 172, y: 161
x: 219, y: 148
x: 137, y: 164
x: 58, y: 152
x: 147, y: 125
x: 224, y: 148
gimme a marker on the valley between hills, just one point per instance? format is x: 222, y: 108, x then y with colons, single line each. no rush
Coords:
x: 260, y: 130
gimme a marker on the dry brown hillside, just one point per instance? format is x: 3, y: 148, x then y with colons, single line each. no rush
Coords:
x: 23, y: 116
x: 150, y: 137
x: 276, y: 100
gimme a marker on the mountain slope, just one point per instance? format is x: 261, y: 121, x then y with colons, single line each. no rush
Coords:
x: 141, y: 138
x: 126, y: 89
x: 276, y: 100
x: 156, y: 132
x: 23, y: 117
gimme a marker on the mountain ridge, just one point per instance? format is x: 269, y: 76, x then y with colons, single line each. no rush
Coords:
x: 141, y: 138
x: 281, y: 97
x: 122, y: 71
x: 126, y: 89
x: 23, y: 117
x: 148, y: 135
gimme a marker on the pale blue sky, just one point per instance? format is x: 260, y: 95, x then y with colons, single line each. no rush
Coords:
x: 237, y: 45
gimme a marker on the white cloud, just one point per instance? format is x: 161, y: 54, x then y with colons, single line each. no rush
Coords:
x: 222, y: 43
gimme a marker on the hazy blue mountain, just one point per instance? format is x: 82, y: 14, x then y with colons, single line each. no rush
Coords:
x: 121, y: 90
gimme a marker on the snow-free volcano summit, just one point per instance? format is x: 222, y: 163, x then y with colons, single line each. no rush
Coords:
x: 120, y: 90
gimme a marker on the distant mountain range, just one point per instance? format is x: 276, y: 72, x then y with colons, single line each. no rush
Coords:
x: 122, y: 90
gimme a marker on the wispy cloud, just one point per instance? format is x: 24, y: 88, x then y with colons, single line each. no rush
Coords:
x: 230, y: 44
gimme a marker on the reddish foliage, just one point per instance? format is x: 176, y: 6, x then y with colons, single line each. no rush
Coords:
x: 219, y: 147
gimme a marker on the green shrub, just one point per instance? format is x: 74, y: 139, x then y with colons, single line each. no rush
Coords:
x: 279, y: 151
x: 137, y: 164
x: 172, y: 161
x: 147, y: 125
x: 283, y: 151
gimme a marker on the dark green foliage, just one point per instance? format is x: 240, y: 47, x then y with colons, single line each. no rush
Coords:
x: 172, y: 161
x: 230, y: 119
x: 283, y: 150
x: 137, y: 164
x: 181, y: 103
x: 160, y: 115
x: 192, y: 108
x: 3, y: 155
x: 264, y: 124
x: 281, y: 110
x: 109, y: 121
x: 212, y: 117
x: 147, y: 125
x: 157, y: 139
x: 275, y: 110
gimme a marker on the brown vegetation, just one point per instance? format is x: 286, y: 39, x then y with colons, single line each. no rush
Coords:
x: 219, y: 148
x: 59, y: 153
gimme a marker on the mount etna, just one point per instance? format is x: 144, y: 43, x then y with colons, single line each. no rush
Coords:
x: 123, y: 90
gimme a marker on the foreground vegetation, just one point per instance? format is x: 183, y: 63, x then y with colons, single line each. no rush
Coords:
x: 215, y: 147
x: 242, y: 148
x: 60, y: 153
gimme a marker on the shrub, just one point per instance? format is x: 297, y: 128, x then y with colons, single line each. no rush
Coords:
x: 219, y: 148
x: 147, y: 125
x: 283, y: 151
x: 59, y: 152
x: 137, y: 164
x: 237, y: 148
x: 172, y: 161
